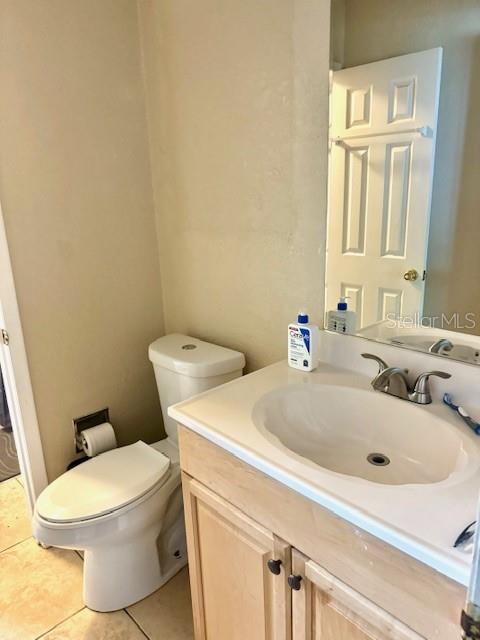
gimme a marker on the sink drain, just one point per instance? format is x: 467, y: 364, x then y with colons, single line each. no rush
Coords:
x: 378, y: 459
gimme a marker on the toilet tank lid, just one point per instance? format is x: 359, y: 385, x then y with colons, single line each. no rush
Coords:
x: 195, y: 358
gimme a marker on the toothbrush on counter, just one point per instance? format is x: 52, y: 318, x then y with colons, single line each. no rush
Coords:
x: 466, y: 536
x: 474, y: 426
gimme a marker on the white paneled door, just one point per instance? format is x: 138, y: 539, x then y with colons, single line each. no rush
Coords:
x: 383, y: 129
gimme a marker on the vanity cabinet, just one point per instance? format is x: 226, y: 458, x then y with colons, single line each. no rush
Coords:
x: 234, y: 594
x: 250, y: 581
x: 325, y: 608
x: 249, y: 584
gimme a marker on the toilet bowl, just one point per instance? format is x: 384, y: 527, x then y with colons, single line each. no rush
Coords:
x: 124, y: 508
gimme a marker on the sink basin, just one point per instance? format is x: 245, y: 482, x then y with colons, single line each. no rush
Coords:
x: 362, y: 433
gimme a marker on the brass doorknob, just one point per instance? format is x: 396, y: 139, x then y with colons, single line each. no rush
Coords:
x: 411, y: 275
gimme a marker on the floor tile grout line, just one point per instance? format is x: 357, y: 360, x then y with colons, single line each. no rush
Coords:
x: 15, y: 544
x: 67, y: 617
x: 42, y: 635
x: 137, y: 624
x: 12, y: 479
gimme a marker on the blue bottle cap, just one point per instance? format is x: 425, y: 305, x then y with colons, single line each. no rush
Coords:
x: 302, y: 317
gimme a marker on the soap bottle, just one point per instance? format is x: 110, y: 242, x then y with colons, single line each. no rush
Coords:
x: 342, y: 320
x: 303, y: 343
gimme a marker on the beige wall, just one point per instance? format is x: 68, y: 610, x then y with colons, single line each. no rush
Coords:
x: 76, y: 193
x: 376, y: 29
x: 237, y: 101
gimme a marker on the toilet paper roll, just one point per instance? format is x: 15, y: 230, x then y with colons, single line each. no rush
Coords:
x: 98, y: 439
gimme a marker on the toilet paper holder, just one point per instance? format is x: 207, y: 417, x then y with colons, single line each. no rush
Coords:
x: 86, y: 422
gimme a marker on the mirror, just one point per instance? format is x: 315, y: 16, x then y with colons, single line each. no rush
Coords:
x: 403, y: 237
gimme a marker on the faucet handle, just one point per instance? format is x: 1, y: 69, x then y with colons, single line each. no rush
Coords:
x: 422, y: 379
x: 382, y: 365
x: 422, y: 387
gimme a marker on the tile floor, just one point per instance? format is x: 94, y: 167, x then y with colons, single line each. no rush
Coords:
x: 41, y: 591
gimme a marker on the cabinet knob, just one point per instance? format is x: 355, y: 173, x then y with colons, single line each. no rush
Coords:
x: 294, y: 582
x: 274, y: 566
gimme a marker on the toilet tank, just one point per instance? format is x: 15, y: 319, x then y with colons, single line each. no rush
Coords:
x: 185, y: 366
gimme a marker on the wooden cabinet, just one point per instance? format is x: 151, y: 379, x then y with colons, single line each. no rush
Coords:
x: 248, y: 584
x: 353, y: 585
x: 235, y: 595
x: 325, y: 608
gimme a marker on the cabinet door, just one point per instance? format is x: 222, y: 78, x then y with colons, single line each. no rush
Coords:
x: 325, y: 608
x: 235, y: 594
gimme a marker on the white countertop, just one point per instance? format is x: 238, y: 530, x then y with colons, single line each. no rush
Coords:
x: 423, y: 520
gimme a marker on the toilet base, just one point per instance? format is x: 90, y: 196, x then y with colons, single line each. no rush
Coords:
x: 119, y: 576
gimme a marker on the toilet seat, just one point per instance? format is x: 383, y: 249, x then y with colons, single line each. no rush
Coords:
x: 103, y: 484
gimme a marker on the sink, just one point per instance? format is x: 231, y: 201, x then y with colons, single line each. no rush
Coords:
x: 362, y: 433
x: 314, y: 433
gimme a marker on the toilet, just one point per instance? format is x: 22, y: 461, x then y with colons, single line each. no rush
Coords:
x: 124, y: 508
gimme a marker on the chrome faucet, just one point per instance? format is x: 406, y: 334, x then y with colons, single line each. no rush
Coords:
x: 394, y: 381
x: 442, y: 345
